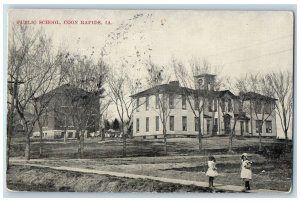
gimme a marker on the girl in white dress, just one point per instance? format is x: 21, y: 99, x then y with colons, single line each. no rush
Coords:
x: 212, y: 170
x: 246, y: 171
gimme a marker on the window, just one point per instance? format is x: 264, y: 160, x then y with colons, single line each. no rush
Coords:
x: 196, y: 103
x: 184, y: 123
x: 258, y: 126
x: 183, y: 102
x: 157, y: 123
x: 156, y: 101
x: 137, y: 104
x: 268, y: 126
x: 171, y: 123
x: 208, y: 126
x: 147, y: 124
x: 215, y: 126
x: 247, y: 126
x: 76, y: 134
x: 215, y: 105
x: 70, y: 134
x: 216, y: 121
x: 45, y: 120
x: 222, y: 104
x: 229, y: 105
x: 171, y: 101
x: 196, y: 124
x: 267, y: 108
x: 137, y: 125
x: 210, y: 105
x: 240, y: 106
x: 258, y: 107
x: 147, y: 103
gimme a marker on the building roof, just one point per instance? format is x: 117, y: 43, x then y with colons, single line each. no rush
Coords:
x: 175, y: 88
x: 66, y: 89
x: 256, y: 96
x: 165, y: 88
x: 171, y: 88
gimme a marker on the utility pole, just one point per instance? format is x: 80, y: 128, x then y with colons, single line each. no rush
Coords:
x: 11, y: 115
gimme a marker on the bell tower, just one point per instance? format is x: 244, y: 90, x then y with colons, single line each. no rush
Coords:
x: 205, y: 82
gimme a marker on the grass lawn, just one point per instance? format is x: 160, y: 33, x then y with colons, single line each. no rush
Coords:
x: 270, y: 169
x: 112, y: 148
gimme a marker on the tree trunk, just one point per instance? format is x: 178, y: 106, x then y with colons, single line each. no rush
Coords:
x: 82, y: 144
x: 27, y: 147
x: 230, y: 142
x: 124, y: 145
x: 199, y: 134
x: 79, y: 149
x: 260, y: 148
x: 79, y: 146
x: 124, y: 141
x: 11, y: 120
x: 165, y: 140
x: 230, y: 149
x: 101, y: 129
x: 41, y: 145
x: 41, y: 138
x: 225, y: 131
x: 102, y: 135
x: 65, y: 134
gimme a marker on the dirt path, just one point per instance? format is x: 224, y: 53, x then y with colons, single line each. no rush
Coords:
x: 202, y: 185
x: 42, y: 179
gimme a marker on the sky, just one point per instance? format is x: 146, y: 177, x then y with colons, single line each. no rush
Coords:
x: 239, y: 42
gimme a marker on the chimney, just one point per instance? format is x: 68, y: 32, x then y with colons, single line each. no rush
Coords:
x: 174, y: 83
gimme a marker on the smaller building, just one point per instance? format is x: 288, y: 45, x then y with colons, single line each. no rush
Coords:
x: 69, y: 108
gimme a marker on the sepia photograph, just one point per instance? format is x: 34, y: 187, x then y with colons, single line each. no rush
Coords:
x: 149, y: 101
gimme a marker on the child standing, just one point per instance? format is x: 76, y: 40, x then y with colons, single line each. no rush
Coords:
x: 246, y: 172
x: 212, y: 170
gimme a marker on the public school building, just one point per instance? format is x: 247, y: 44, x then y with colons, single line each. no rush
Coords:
x: 250, y: 112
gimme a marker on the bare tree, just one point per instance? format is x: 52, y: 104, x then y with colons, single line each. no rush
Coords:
x: 197, y: 99
x: 82, y: 72
x: 260, y: 97
x: 83, y: 109
x: 41, y: 103
x: 104, y: 104
x: 121, y: 87
x: 228, y: 131
x: 31, y: 62
x: 165, y: 103
x: 280, y: 85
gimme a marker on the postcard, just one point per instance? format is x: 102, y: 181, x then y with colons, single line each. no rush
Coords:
x: 150, y: 101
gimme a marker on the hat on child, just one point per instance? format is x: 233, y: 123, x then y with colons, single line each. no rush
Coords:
x: 245, y: 155
x: 211, y: 158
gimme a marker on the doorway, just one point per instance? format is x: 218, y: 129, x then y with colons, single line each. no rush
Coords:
x: 208, y: 126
